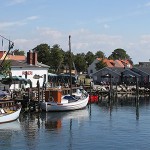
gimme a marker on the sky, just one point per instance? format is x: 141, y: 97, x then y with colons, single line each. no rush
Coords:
x: 94, y: 25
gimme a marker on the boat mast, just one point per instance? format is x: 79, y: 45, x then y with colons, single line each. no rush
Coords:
x: 70, y: 64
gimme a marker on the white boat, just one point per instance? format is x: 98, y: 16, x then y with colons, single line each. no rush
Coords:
x: 8, y: 111
x: 78, y: 100
x: 65, y: 103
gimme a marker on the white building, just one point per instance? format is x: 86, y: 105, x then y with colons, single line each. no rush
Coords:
x: 30, y: 69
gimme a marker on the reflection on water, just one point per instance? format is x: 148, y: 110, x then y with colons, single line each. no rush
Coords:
x: 119, y: 123
x: 53, y: 120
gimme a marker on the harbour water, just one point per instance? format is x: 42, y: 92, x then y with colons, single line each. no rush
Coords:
x: 111, y: 125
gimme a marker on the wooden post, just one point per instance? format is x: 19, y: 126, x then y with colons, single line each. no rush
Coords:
x: 38, y: 86
x: 137, y: 85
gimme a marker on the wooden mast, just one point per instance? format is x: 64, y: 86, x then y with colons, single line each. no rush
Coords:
x: 70, y: 64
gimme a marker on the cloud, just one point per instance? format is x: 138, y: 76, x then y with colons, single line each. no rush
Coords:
x: 84, y: 40
x: 147, y: 4
x: 48, y: 32
x: 14, y: 2
x: 106, y: 26
x: 22, y: 22
x: 145, y: 39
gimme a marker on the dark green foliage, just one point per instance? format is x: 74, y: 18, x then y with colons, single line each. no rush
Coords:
x: 119, y: 54
x: 18, y: 52
x: 6, y: 68
x: 80, y: 62
x: 43, y: 51
x: 89, y: 57
x: 56, y: 57
x: 99, y: 54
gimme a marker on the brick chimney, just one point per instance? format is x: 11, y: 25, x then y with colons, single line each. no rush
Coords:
x: 31, y: 58
x: 34, y: 60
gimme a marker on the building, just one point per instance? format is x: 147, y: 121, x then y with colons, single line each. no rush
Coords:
x: 129, y: 76
x: 30, y: 68
x: 109, y: 63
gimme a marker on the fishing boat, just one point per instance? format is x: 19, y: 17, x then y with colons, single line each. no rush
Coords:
x: 59, y: 102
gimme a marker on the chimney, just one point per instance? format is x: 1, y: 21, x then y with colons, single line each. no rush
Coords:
x: 34, y: 60
x: 29, y: 57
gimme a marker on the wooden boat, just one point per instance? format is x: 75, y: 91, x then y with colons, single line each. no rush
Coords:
x: 67, y: 102
x: 9, y: 111
x: 64, y: 103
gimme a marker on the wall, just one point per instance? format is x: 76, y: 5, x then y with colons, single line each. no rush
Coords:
x: 31, y: 72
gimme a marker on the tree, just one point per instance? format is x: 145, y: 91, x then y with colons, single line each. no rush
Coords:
x: 99, y: 54
x: 56, y: 57
x: 101, y: 64
x: 67, y: 59
x: 43, y: 51
x: 18, y: 52
x: 89, y: 57
x: 6, y: 68
x: 119, y: 54
x: 80, y: 62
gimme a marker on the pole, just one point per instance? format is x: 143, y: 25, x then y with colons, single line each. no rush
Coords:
x: 70, y: 65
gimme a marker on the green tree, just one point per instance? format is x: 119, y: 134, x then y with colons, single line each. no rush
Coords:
x: 119, y: 54
x: 6, y: 68
x: 99, y: 54
x: 18, y: 52
x: 43, y: 51
x: 101, y: 64
x: 68, y: 59
x: 80, y: 62
x: 56, y: 57
x: 89, y: 57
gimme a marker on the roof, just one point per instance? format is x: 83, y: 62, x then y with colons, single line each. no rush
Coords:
x: 23, y: 64
x: 115, y: 63
x: 16, y: 57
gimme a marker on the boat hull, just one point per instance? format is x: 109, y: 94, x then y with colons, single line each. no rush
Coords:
x: 10, y: 117
x: 52, y: 106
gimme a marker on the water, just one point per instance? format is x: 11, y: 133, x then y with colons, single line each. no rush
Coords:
x: 123, y: 124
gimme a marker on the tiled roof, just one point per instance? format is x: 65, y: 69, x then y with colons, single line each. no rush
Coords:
x: 115, y: 63
x: 16, y: 57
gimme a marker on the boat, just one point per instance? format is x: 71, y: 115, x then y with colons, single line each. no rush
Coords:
x: 9, y: 111
x: 72, y: 101
x: 59, y: 102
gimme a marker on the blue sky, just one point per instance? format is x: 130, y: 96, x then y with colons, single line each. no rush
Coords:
x: 93, y: 25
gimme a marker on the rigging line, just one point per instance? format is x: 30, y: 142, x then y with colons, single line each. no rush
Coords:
x: 6, y: 38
